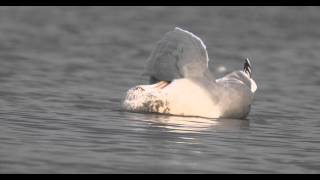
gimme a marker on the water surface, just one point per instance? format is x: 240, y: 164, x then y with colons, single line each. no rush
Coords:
x: 64, y: 71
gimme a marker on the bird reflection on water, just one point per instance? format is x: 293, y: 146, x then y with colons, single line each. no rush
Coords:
x: 189, y: 124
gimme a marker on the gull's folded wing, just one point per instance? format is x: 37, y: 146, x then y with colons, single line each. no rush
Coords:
x: 179, y: 54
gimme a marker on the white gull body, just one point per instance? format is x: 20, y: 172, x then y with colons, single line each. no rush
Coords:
x: 184, y: 85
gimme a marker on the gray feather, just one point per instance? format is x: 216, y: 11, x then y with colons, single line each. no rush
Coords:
x: 179, y: 54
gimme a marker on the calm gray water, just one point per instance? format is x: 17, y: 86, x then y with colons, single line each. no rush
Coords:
x: 64, y: 70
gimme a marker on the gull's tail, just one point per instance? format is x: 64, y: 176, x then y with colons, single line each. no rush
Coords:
x: 247, y: 67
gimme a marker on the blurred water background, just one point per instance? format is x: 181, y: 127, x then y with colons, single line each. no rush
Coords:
x: 64, y: 71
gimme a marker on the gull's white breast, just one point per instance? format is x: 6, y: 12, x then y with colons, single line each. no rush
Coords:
x: 181, y: 97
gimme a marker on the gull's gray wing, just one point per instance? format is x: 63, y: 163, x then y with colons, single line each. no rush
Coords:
x: 179, y: 54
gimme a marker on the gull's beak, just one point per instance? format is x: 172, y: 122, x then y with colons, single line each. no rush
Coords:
x: 160, y: 85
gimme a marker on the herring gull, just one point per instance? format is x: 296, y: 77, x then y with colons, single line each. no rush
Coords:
x: 181, y: 83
